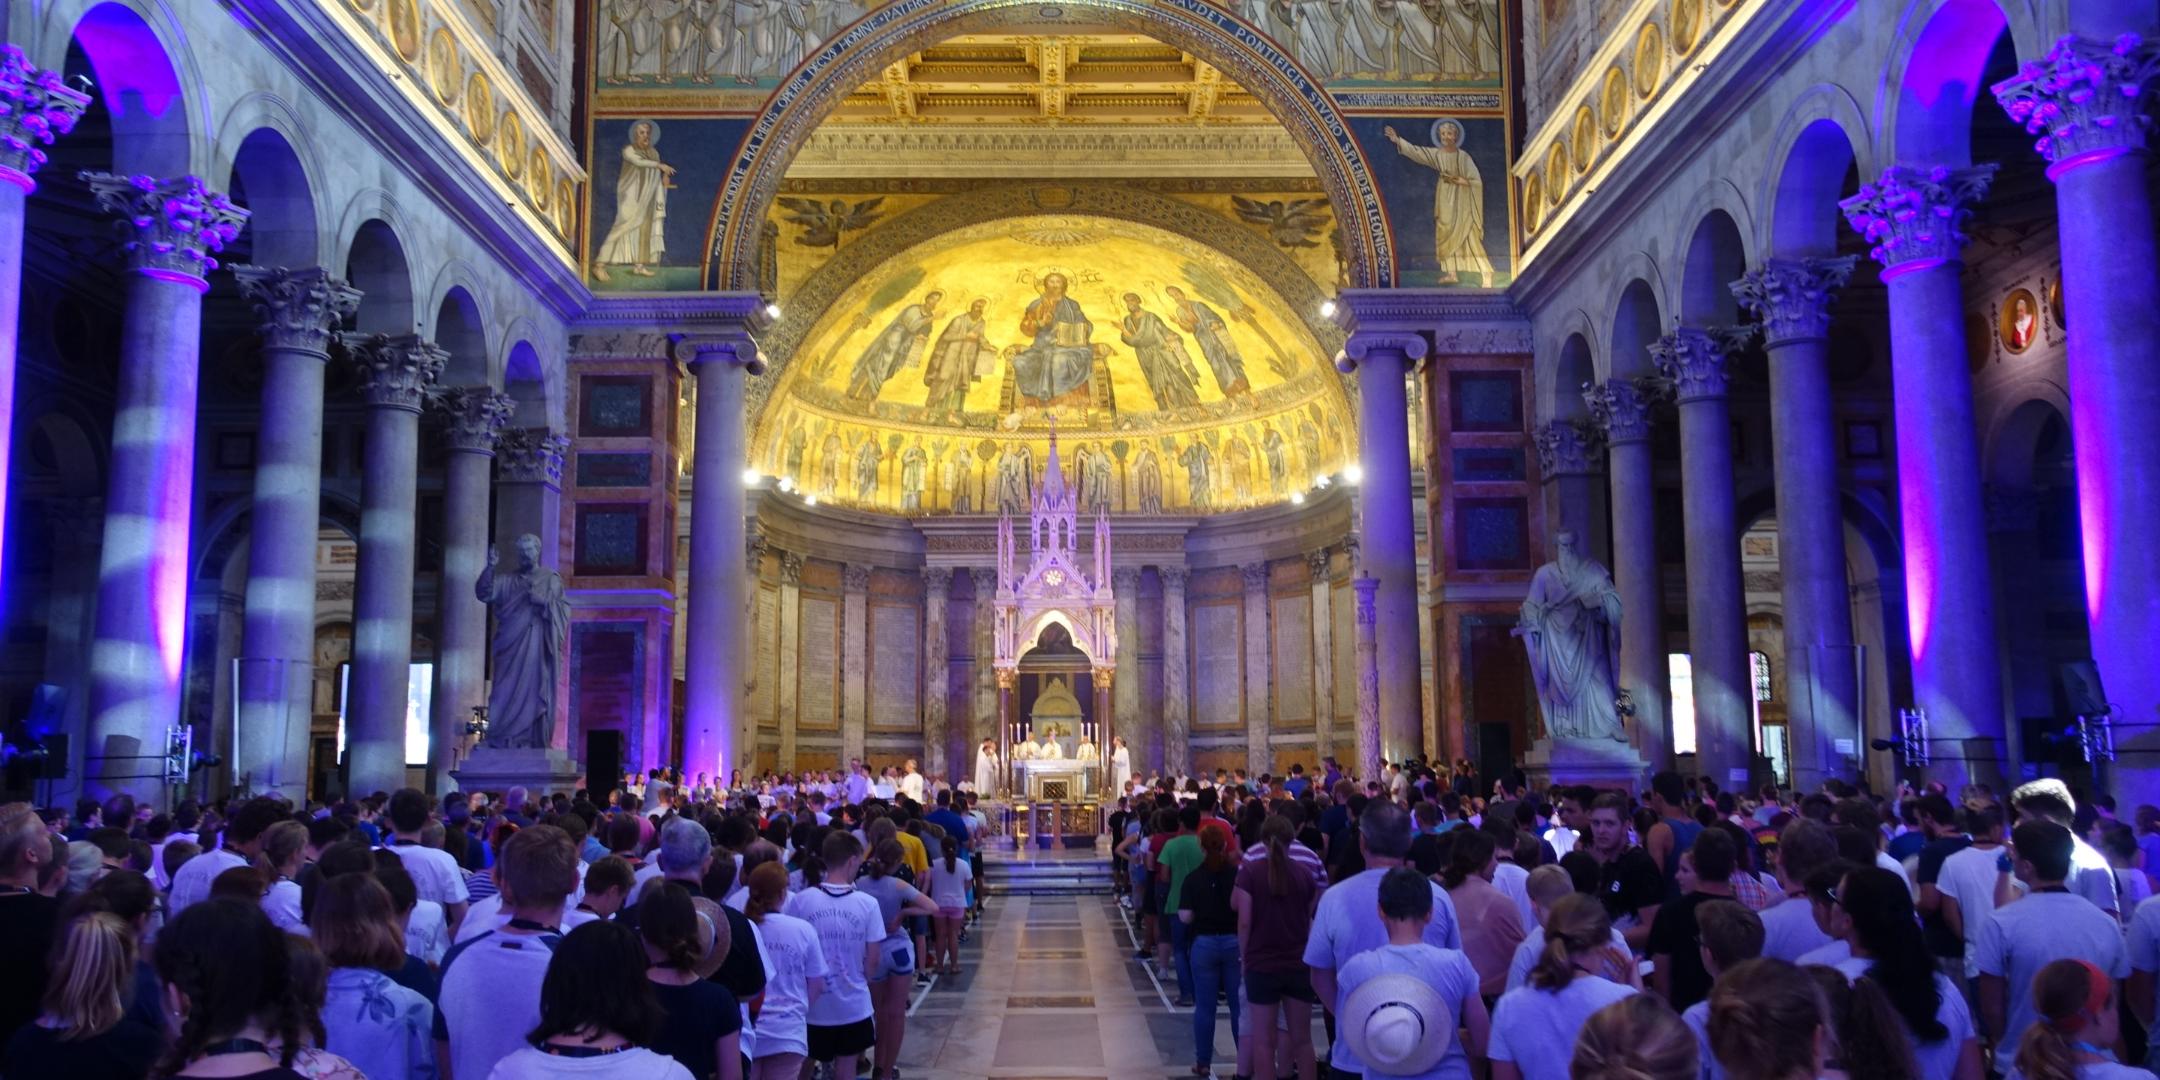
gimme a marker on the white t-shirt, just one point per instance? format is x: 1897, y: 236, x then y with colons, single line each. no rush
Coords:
x: 846, y: 922
x: 1533, y: 946
x: 427, y: 932
x: 2132, y: 888
x: 434, y: 872
x: 2101, y: 1070
x: 2090, y: 875
x: 638, y: 1063
x: 1447, y: 971
x: 1789, y: 930
x: 1968, y: 877
x: 487, y: 914
x: 1937, y: 1060
x: 949, y: 890
x: 2024, y: 937
x: 191, y: 885
x: 1836, y: 953
x: 490, y: 998
x: 282, y: 904
x: 1885, y: 862
x: 1348, y: 923
x: 2144, y: 944
x: 1515, y: 882
x: 796, y: 958
x: 1697, y: 1017
x: 1536, y: 1028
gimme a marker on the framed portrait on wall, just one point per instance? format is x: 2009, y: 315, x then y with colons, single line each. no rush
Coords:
x: 2020, y: 320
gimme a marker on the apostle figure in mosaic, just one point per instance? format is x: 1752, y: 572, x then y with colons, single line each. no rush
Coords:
x: 913, y: 466
x: 900, y: 345
x: 638, y: 238
x: 1199, y: 474
x: 1277, y: 453
x: 867, y: 459
x: 1150, y: 483
x: 1212, y: 333
x: 532, y: 626
x: 1458, y: 203
x: 1168, y: 368
x: 961, y: 356
x: 1571, y: 627
x: 1015, y: 479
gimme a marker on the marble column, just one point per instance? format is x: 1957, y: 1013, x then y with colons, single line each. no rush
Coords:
x: 35, y: 108
x: 1176, y: 669
x: 1822, y: 677
x: 1105, y: 682
x: 528, y: 491
x: 1259, y: 685
x: 1321, y: 564
x: 1694, y: 360
x: 2027, y: 662
x: 1912, y: 218
x: 475, y: 417
x: 937, y: 676
x: 1570, y: 461
x: 2086, y: 100
x: 1140, y: 736
x: 854, y: 660
x: 1008, y: 780
x: 788, y: 692
x: 75, y: 530
x: 398, y: 376
x: 983, y: 723
x: 297, y: 311
x: 1368, y: 764
x: 713, y: 700
x: 170, y: 231
x: 1388, y: 529
x: 1621, y: 408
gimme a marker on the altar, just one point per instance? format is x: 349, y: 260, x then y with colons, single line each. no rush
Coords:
x: 1058, y: 780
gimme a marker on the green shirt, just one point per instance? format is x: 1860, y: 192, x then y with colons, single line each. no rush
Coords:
x: 1182, y: 855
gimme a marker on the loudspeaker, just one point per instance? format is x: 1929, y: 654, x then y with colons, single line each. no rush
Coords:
x: 603, y: 763
x: 56, y: 756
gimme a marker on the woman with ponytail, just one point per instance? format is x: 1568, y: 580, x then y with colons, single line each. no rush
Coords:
x: 1491, y: 923
x: 2077, y: 1026
x: 798, y: 973
x: 1534, y: 1026
x: 228, y: 990
x: 1892, y: 962
x: 703, y: 1026
x: 1274, y: 899
x: 85, y: 1031
x: 1768, y: 1021
x: 1204, y: 906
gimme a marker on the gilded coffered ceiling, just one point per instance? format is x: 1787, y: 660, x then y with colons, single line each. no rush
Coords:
x: 1119, y: 79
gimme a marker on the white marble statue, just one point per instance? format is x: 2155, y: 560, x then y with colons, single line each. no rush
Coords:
x: 1571, y: 627
x: 532, y: 628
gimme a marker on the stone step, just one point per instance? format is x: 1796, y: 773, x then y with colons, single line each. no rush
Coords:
x: 1047, y: 877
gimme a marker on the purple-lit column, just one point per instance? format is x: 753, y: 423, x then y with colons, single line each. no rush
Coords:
x: 1912, y: 217
x: 296, y: 310
x: 1694, y: 360
x: 169, y: 231
x: 2084, y: 101
x: 1792, y: 299
x: 713, y: 675
x: 1621, y: 407
x: 35, y: 108
x: 399, y: 376
x: 1176, y: 665
x: 937, y: 678
x: 1387, y: 530
x: 474, y: 418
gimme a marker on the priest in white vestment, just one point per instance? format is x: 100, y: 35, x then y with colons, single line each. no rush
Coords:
x: 638, y: 238
x: 1458, y: 203
x: 1120, y: 765
x: 986, y: 768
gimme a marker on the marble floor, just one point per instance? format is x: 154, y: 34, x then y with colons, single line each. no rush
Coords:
x: 1049, y: 989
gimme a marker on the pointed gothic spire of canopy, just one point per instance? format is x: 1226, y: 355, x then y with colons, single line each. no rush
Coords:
x: 1053, y: 496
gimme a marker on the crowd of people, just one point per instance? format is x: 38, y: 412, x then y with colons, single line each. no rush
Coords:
x: 774, y: 928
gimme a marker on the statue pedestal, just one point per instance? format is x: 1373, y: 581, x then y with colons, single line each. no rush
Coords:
x: 540, y: 771
x: 1600, y: 763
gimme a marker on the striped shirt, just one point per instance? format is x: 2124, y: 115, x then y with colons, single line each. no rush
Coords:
x: 1299, y: 854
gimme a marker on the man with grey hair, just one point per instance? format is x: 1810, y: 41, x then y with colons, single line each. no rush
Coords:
x: 1348, y: 920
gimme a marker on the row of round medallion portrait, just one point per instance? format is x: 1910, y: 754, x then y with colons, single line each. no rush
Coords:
x: 2018, y: 322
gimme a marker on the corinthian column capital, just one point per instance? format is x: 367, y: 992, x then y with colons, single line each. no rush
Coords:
x: 1621, y: 407
x: 476, y: 416
x: 531, y: 456
x: 297, y: 310
x: 937, y: 579
x: 1569, y: 448
x: 1792, y: 297
x: 397, y: 372
x: 36, y: 107
x: 1693, y: 359
x: 170, y: 229
x: 1914, y: 218
x: 2083, y: 99
x: 1173, y: 579
x: 1125, y: 580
